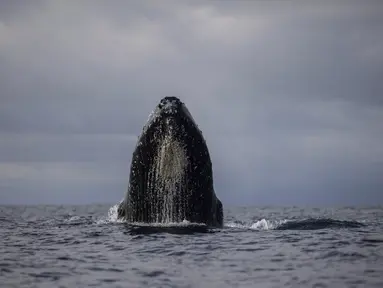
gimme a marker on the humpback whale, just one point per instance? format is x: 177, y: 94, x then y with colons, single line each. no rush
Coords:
x: 171, y: 176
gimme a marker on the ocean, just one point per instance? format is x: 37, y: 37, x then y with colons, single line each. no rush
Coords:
x: 85, y: 246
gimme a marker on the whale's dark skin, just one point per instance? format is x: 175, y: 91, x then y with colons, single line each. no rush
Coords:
x: 171, y: 130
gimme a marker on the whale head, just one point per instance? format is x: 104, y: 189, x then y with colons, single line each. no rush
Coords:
x: 171, y: 176
x: 172, y: 112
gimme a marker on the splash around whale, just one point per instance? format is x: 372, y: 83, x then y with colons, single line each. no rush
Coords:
x: 171, y: 176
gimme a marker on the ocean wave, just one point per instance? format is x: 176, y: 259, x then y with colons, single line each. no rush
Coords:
x: 319, y: 223
x: 304, y: 224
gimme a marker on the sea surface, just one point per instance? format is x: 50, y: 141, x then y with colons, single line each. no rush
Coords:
x: 85, y: 246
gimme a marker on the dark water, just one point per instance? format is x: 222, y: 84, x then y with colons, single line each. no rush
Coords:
x: 83, y: 246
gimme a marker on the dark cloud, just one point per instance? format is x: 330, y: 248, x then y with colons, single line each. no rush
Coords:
x: 288, y: 96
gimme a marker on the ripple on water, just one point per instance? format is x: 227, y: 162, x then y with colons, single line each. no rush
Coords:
x: 272, y: 247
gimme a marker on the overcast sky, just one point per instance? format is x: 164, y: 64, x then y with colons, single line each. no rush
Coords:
x: 288, y: 94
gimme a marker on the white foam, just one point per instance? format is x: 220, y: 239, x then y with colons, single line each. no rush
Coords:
x: 262, y: 224
x: 184, y: 223
x: 112, y: 216
x: 73, y: 219
x: 112, y: 213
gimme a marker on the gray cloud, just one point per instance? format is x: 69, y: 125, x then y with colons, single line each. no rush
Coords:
x: 288, y: 96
